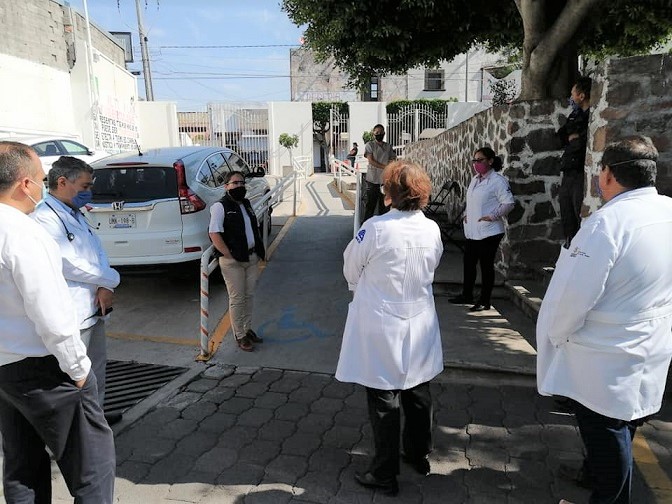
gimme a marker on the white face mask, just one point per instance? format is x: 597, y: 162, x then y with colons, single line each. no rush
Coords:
x: 41, y: 186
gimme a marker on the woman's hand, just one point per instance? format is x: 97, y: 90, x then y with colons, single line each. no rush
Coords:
x: 486, y: 218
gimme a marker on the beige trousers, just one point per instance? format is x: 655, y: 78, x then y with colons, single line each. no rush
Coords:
x: 240, y: 278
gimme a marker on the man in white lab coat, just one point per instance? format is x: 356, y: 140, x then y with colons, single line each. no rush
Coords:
x: 87, y: 271
x: 603, y: 334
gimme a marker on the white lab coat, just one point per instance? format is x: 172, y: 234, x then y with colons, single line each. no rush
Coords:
x: 484, y: 196
x: 85, y: 263
x: 392, y: 339
x: 603, y: 333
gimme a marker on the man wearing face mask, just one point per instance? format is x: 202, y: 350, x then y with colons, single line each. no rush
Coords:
x: 603, y: 332
x: 47, y: 392
x: 234, y: 232
x: 86, y: 268
x: 574, y: 137
x: 379, y: 154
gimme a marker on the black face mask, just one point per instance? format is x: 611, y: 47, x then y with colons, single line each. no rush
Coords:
x: 238, y: 193
x: 379, y: 137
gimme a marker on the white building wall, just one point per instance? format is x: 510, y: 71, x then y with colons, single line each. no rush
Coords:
x: 157, y: 125
x: 363, y: 117
x: 458, y: 74
x: 293, y: 118
x: 35, y: 99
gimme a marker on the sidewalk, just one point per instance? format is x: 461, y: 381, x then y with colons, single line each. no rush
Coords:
x: 274, y: 426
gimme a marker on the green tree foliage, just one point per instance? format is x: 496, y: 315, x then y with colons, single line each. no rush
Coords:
x: 437, y: 106
x: 322, y: 114
x: 373, y: 37
x: 288, y: 141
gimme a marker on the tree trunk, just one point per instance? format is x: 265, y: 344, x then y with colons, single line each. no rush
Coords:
x: 549, y: 52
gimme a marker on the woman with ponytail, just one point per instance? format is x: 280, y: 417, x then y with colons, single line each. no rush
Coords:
x: 489, y: 200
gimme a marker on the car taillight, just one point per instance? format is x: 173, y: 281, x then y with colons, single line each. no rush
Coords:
x: 189, y: 201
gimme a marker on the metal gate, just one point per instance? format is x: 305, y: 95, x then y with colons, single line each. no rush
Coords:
x: 340, y: 136
x: 242, y: 127
x: 407, y: 125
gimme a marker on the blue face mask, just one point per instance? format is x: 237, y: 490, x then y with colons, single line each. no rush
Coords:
x: 82, y: 198
x: 573, y: 104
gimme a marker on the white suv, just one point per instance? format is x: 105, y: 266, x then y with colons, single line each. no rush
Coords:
x: 153, y: 208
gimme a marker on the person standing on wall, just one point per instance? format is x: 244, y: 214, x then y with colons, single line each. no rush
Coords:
x: 392, y: 341
x: 352, y: 155
x: 234, y: 232
x: 603, y: 332
x: 86, y: 268
x: 379, y: 154
x: 48, y: 395
x: 574, y: 138
x: 489, y: 200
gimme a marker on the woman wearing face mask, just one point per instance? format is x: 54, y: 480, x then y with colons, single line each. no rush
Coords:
x: 234, y: 232
x: 489, y: 200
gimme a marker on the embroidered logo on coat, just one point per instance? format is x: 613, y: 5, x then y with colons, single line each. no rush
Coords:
x: 578, y: 252
x: 360, y: 235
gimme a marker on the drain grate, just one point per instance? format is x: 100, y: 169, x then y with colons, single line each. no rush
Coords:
x: 128, y: 383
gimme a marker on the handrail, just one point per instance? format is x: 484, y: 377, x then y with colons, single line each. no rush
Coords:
x: 209, y: 262
x: 357, y: 172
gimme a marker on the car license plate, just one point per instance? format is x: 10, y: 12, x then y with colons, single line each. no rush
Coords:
x: 120, y: 221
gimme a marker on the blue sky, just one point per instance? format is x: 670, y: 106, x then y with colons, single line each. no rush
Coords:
x: 193, y: 77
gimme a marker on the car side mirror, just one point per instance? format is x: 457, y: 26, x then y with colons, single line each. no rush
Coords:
x: 90, y: 152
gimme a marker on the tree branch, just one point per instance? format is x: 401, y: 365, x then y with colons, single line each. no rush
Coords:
x: 559, y: 34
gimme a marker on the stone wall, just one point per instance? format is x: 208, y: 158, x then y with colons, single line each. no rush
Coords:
x: 523, y: 134
x: 630, y: 96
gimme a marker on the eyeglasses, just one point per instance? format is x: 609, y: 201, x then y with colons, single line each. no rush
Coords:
x: 479, y: 160
x: 236, y: 183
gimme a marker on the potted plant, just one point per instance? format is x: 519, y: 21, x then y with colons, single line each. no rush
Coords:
x: 289, y: 142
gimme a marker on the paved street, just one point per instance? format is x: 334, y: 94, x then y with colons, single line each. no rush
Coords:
x: 275, y: 426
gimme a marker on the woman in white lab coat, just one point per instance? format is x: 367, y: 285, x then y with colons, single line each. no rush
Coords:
x: 391, y: 342
x: 489, y: 200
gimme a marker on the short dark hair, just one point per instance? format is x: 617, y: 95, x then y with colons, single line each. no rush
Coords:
x: 229, y: 175
x: 407, y: 184
x: 377, y: 126
x: 632, y: 161
x: 69, y: 167
x: 583, y: 85
x: 15, y: 163
x: 490, y: 154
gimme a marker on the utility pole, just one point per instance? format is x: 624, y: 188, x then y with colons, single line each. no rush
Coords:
x: 149, y: 92
x: 91, y: 84
x: 466, y: 76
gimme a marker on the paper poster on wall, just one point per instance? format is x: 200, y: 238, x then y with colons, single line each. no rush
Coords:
x: 118, y: 126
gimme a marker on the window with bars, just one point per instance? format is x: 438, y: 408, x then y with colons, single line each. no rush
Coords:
x: 435, y: 80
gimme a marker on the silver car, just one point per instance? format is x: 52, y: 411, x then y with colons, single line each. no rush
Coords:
x: 153, y: 208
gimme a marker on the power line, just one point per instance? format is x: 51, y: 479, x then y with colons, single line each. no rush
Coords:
x: 258, y: 46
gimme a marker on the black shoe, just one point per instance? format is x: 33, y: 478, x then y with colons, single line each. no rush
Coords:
x: 479, y: 307
x: 563, y: 404
x: 253, y: 336
x: 245, y: 344
x: 113, y: 418
x: 368, y: 480
x: 420, y: 465
x: 460, y: 300
x: 579, y: 476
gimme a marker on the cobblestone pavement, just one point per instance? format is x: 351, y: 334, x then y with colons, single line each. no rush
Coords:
x: 250, y: 435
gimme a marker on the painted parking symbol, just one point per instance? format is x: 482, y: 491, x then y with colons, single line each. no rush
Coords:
x: 289, y: 329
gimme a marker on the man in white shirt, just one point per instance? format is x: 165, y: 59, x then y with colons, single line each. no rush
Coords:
x: 47, y: 392
x: 603, y: 333
x: 86, y: 269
